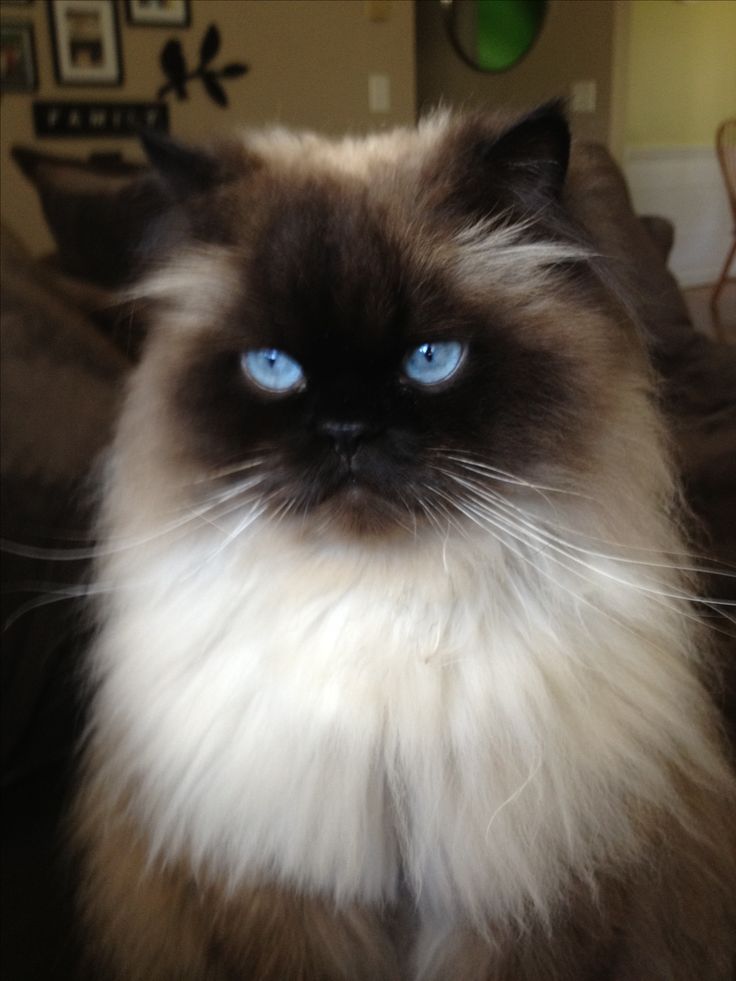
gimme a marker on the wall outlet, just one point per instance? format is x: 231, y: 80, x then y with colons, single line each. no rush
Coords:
x: 583, y: 96
x: 379, y: 93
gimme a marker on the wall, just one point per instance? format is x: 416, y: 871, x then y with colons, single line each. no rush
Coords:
x: 682, y: 71
x: 309, y: 65
x: 576, y: 44
x: 680, y: 84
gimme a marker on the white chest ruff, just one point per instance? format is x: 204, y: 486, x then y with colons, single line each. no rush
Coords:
x: 338, y: 724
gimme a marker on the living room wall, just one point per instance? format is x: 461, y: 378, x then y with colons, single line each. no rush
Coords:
x: 309, y: 67
x: 576, y: 44
x: 682, y: 72
x: 680, y: 85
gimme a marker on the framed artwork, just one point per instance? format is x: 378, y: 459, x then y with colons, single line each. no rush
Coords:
x: 85, y: 42
x: 17, y: 58
x: 158, y: 13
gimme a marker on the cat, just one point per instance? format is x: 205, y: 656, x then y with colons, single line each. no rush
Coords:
x: 397, y: 673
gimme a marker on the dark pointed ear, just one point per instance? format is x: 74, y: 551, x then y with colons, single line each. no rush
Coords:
x: 520, y: 169
x: 535, y: 151
x: 185, y: 170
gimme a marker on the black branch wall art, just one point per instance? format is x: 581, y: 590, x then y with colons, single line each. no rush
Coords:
x: 174, y: 65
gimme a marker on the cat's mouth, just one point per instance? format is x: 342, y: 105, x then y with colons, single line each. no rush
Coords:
x: 356, y: 501
x: 358, y: 509
x: 368, y: 493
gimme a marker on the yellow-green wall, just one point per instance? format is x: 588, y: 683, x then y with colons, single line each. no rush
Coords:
x: 681, y: 71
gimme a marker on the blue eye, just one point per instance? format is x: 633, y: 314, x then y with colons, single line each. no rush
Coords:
x: 273, y: 370
x: 433, y: 362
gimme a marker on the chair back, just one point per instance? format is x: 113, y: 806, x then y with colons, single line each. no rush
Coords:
x: 726, y: 150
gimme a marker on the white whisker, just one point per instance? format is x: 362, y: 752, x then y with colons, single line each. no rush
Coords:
x: 544, y: 538
x: 114, y: 545
x: 505, y: 477
x: 514, y: 796
x: 230, y: 470
x: 481, y: 468
x: 525, y: 536
x: 527, y: 519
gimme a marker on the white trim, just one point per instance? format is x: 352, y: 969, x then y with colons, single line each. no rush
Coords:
x: 633, y: 153
x: 685, y: 185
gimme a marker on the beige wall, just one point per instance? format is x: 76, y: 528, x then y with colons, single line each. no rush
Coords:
x: 681, y: 78
x: 309, y: 65
x: 576, y: 44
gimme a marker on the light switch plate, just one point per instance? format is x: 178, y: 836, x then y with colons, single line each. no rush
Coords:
x: 379, y: 93
x: 583, y: 96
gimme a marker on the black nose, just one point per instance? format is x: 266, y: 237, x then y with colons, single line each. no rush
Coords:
x: 345, y: 435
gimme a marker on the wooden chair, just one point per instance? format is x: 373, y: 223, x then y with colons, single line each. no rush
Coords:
x: 726, y: 150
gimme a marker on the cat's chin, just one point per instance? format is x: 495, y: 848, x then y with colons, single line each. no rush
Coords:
x: 357, y: 510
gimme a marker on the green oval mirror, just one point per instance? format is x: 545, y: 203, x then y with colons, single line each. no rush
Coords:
x: 493, y: 35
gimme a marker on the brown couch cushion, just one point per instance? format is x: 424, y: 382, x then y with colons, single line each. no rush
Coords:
x: 61, y: 380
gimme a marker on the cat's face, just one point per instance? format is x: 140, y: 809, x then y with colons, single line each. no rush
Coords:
x: 366, y: 365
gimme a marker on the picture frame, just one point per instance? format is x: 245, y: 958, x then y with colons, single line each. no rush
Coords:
x: 158, y: 13
x: 18, y: 71
x: 85, y: 42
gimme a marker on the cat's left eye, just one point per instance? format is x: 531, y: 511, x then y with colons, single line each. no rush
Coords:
x: 273, y: 370
x: 433, y: 362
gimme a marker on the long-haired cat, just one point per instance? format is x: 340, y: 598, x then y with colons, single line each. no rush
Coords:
x: 397, y: 674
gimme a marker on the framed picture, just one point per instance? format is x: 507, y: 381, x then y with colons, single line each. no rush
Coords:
x: 85, y: 42
x: 158, y: 13
x: 17, y: 58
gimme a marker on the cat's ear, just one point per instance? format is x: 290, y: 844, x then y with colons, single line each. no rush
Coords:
x: 533, y: 153
x: 522, y: 168
x: 188, y: 170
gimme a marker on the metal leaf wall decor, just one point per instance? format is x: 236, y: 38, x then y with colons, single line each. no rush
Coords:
x: 174, y: 65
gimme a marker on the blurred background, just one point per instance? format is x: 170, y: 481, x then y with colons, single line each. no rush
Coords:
x: 652, y: 79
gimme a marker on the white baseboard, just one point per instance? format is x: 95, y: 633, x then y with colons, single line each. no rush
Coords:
x: 685, y: 185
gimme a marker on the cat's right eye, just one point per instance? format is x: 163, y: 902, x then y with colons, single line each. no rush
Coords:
x: 273, y: 370
x: 432, y: 363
